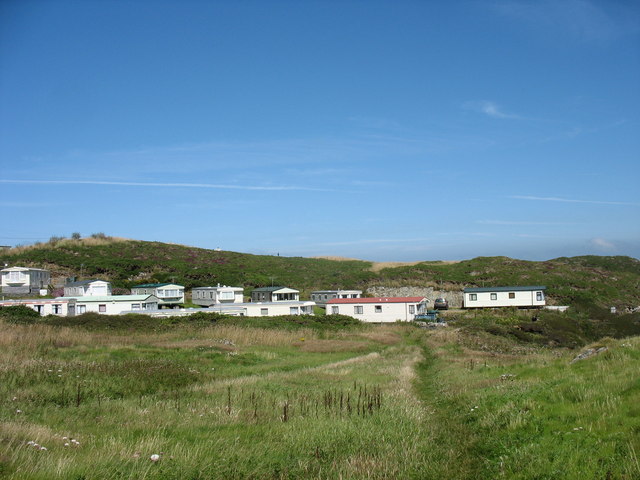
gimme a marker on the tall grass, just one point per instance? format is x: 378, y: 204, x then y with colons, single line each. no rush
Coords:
x: 539, y: 415
x: 217, y: 402
x: 229, y: 401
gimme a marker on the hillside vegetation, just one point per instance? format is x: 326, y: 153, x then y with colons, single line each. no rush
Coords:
x: 589, y: 281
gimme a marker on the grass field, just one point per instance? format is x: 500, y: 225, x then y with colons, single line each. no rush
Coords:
x: 238, y: 401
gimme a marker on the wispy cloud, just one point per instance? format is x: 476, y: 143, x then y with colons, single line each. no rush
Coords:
x: 602, y: 244
x: 577, y: 131
x: 529, y: 235
x: 583, y: 20
x: 571, y: 200
x: 489, y: 108
x: 165, y: 185
x: 373, y: 241
x: 519, y: 223
x: 29, y: 204
x: 243, y: 162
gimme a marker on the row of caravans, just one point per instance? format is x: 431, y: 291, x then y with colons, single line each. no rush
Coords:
x: 96, y: 296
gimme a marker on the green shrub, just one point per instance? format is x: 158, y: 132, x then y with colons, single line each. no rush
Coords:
x: 19, y: 314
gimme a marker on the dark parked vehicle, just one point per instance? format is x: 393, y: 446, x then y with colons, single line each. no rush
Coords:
x: 441, y: 304
x: 429, y: 316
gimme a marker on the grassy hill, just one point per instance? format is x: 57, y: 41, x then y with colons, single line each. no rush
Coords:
x: 590, y: 281
x: 587, y: 280
x: 129, y: 262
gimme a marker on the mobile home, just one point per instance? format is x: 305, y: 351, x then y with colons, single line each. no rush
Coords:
x: 207, y: 296
x: 21, y: 280
x: 379, y: 310
x: 493, y: 297
x: 275, y: 294
x: 321, y: 297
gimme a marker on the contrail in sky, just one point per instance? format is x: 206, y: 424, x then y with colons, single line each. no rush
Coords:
x: 165, y: 185
x: 570, y: 200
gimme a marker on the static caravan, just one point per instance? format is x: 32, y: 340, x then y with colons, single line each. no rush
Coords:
x: 271, y: 309
x: 207, y: 296
x: 84, y: 288
x: 168, y: 294
x: 275, y: 294
x: 61, y: 307
x: 321, y: 297
x: 252, y: 309
x: 379, y: 310
x: 114, y: 304
x: 21, y: 280
x: 494, y: 297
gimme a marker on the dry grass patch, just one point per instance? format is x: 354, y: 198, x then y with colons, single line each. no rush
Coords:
x: 219, y: 385
x: 29, y: 338
x: 250, y: 336
x: 328, y: 346
x: 89, y: 241
x: 377, y: 266
x: 441, y: 336
x: 193, y: 343
x: 384, y: 335
x: 24, y: 432
x: 369, y: 466
x: 369, y: 357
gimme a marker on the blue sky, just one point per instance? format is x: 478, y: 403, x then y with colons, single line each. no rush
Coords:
x: 388, y: 131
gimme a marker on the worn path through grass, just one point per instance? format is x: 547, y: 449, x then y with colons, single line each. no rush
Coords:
x: 231, y: 402
x: 213, y: 403
x: 533, y: 415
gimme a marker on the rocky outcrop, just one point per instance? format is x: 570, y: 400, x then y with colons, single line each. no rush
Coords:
x: 454, y: 298
x: 590, y: 352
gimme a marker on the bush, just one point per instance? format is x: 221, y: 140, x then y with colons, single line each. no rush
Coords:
x: 19, y: 314
x: 294, y: 322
